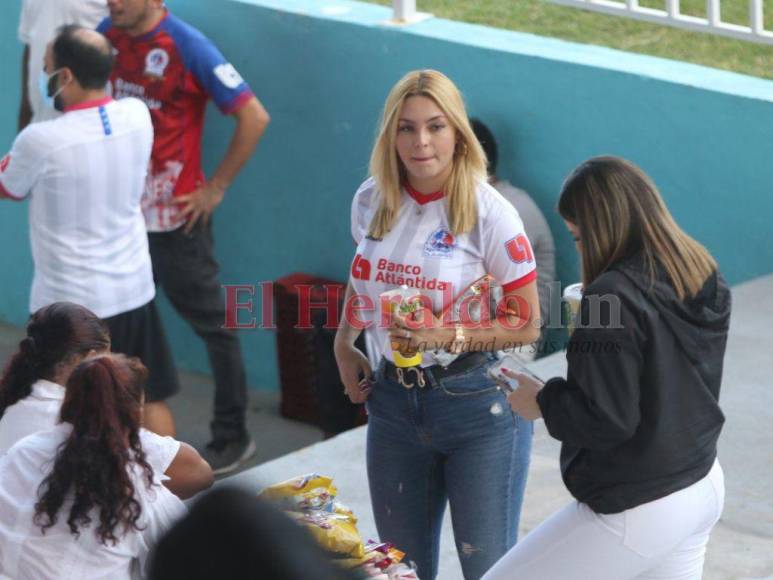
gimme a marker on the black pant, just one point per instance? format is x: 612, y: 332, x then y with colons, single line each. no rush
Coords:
x: 139, y: 333
x: 184, y: 266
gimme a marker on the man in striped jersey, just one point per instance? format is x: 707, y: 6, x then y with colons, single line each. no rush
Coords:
x: 175, y: 70
x: 84, y: 173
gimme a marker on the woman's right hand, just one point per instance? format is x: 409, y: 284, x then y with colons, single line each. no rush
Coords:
x: 352, y: 365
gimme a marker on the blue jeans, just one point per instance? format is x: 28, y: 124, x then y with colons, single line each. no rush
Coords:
x: 455, y: 439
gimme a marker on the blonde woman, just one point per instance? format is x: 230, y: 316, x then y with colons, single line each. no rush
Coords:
x: 428, y: 219
x: 638, y: 415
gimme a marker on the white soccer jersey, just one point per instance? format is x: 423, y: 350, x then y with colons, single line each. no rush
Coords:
x: 39, y: 22
x: 85, y: 175
x: 421, y: 252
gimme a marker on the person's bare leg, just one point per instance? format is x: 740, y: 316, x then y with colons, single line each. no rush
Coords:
x: 158, y: 418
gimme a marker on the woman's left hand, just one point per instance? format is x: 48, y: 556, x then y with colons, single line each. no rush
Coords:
x: 523, y: 400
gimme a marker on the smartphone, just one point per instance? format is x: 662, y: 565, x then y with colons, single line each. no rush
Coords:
x: 512, y: 363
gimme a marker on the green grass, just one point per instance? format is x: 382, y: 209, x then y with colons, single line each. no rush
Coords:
x: 547, y: 19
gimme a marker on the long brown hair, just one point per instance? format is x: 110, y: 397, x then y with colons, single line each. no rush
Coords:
x: 469, y: 162
x: 619, y: 212
x: 103, y: 404
x: 55, y: 333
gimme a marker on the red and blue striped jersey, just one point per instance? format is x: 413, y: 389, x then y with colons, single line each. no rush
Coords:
x: 174, y: 69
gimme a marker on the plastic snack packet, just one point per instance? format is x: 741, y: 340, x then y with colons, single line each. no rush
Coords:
x: 374, y: 573
x: 296, y: 486
x: 311, y: 491
x: 402, y: 572
x: 333, y: 532
x: 342, y: 510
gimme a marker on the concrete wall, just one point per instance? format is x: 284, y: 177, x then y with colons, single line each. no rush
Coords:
x: 323, y: 70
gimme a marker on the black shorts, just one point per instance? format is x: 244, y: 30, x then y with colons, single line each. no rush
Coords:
x: 140, y: 333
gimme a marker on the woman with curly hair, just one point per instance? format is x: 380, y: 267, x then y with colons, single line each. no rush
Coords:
x: 59, y: 337
x: 81, y: 500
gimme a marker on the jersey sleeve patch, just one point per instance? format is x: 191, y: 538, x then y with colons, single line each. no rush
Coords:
x: 216, y: 76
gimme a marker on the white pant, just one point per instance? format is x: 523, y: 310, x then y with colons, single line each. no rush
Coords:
x: 662, y: 539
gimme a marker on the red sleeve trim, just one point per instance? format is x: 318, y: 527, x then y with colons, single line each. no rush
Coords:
x: 238, y: 102
x: 5, y: 193
x: 520, y: 282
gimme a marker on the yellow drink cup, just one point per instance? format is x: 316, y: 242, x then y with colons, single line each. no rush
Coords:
x: 404, y: 305
x: 406, y: 361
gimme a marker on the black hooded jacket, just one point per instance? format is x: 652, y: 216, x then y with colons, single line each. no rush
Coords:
x: 638, y: 415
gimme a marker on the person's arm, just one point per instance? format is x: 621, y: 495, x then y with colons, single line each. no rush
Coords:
x: 514, y: 324
x: 251, y: 121
x: 353, y: 365
x: 25, y: 110
x: 597, y: 406
x: 188, y: 473
x: 20, y: 169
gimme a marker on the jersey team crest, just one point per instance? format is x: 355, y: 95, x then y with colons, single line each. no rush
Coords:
x: 440, y: 244
x: 156, y: 62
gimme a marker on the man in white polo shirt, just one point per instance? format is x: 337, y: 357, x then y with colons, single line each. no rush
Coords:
x: 38, y: 24
x: 84, y: 173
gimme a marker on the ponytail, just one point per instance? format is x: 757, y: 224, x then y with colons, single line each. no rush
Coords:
x: 19, y: 374
x: 103, y: 404
x: 55, y: 333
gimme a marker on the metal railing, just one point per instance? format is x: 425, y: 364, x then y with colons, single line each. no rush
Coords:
x: 405, y: 12
x: 672, y: 16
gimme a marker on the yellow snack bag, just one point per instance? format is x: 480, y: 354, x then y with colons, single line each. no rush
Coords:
x: 336, y: 533
x: 342, y: 510
x: 296, y: 486
x: 304, y: 492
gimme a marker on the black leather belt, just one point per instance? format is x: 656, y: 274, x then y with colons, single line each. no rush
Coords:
x: 419, y: 377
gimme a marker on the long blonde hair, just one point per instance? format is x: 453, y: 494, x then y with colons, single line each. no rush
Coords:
x: 469, y: 161
x: 618, y: 212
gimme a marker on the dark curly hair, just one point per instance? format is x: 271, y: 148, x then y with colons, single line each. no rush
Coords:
x: 103, y: 403
x: 55, y: 333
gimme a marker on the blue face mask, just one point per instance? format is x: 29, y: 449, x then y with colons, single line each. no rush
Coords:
x: 48, y: 94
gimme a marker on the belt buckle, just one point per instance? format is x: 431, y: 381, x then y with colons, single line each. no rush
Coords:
x: 401, y: 377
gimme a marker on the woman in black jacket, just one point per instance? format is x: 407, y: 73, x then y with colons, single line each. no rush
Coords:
x: 638, y: 413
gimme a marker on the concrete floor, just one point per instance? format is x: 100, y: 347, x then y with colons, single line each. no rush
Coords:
x: 741, y: 547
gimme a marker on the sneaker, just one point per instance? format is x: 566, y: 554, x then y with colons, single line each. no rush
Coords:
x: 226, y: 455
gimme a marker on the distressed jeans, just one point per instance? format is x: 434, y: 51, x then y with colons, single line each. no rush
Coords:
x: 457, y: 441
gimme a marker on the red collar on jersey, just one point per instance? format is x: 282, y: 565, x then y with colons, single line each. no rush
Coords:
x: 89, y: 104
x: 422, y: 198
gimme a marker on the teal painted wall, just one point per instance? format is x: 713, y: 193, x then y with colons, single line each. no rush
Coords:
x: 323, y: 69
x: 14, y: 237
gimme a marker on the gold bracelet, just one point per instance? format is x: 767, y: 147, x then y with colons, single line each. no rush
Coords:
x: 458, y: 343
